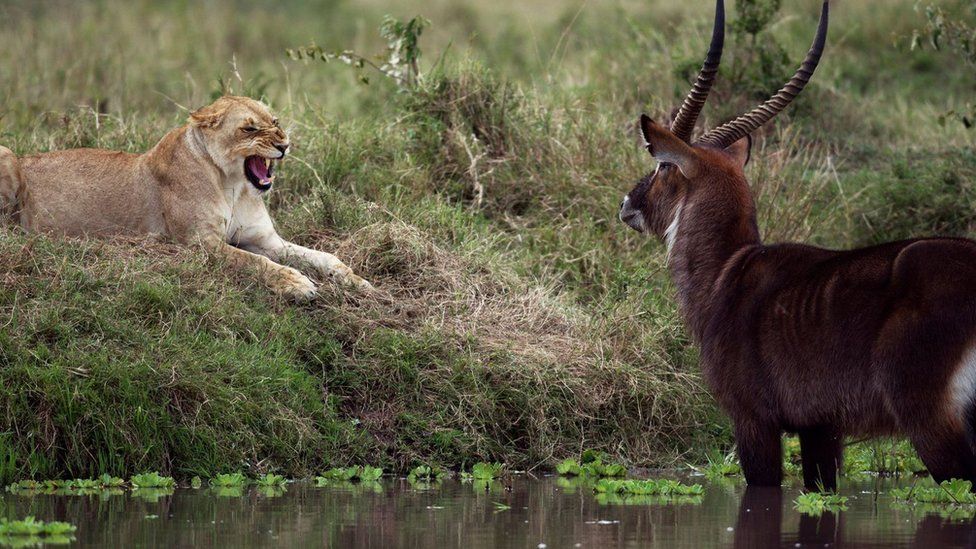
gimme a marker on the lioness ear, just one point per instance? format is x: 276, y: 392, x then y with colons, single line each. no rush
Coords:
x: 667, y: 147
x: 741, y: 151
x: 207, y: 117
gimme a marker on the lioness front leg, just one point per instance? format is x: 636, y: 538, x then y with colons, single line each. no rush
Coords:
x: 282, y: 279
x: 253, y: 230
x: 324, y: 264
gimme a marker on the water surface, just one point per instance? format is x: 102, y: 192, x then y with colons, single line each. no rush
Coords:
x: 520, y: 511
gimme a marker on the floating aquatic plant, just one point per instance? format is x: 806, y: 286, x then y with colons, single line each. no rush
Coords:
x: 340, y: 474
x: 425, y: 477
x: 271, y: 480
x: 104, y: 483
x: 337, y: 474
x: 646, y: 492
x: 650, y: 487
x: 151, y: 480
x: 955, y: 491
x: 369, y: 474
x: 425, y: 473
x: 593, y: 464
x: 486, y: 471
x: 569, y: 467
x: 815, y: 503
x: 229, y: 480
x: 952, y: 499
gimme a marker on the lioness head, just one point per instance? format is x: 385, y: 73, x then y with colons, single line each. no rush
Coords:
x: 243, y: 137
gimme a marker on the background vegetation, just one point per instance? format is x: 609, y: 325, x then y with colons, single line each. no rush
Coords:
x: 518, y: 320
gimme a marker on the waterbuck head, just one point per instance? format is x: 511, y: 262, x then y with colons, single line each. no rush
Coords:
x: 706, y: 174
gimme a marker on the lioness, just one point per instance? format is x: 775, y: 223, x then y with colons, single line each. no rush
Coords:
x: 202, y: 184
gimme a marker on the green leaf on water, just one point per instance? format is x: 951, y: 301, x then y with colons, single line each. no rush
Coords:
x: 815, y: 503
x: 568, y: 467
x: 152, y: 480
x: 229, y: 480
x: 270, y: 480
x: 486, y: 471
x: 369, y: 474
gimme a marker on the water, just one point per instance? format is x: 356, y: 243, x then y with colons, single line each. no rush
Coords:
x: 548, y: 511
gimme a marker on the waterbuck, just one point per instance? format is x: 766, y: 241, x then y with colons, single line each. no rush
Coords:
x: 827, y: 344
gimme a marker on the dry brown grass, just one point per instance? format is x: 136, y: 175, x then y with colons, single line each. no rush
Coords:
x: 574, y: 374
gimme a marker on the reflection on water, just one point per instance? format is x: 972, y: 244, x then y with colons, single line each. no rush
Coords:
x: 521, y: 512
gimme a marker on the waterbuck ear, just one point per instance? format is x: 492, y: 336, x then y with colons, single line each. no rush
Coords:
x: 741, y: 151
x: 667, y: 147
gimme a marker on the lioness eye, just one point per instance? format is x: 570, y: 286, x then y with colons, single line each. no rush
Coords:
x: 249, y: 129
x: 275, y: 122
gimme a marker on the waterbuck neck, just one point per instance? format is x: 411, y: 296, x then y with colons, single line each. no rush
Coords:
x: 711, y: 227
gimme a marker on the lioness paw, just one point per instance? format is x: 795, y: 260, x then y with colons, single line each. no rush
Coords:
x: 358, y: 282
x: 345, y: 275
x: 294, y: 285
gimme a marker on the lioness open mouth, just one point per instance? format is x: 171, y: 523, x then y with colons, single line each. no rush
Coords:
x: 258, y: 171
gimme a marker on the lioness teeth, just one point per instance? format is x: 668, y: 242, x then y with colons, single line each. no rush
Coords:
x: 267, y: 162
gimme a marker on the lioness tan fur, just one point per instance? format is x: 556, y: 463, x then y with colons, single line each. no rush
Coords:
x: 202, y: 184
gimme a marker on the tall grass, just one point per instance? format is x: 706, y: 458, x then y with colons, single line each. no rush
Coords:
x: 517, y: 320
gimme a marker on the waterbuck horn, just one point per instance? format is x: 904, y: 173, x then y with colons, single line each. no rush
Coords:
x: 684, y: 122
x: 730, y: 132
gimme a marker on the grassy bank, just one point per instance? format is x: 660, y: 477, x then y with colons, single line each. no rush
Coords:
x: 517, y: 321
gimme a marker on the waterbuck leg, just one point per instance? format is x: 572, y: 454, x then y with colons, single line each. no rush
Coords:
x: 820, y: 453
x: 945, y: 452
x: 760, y: 448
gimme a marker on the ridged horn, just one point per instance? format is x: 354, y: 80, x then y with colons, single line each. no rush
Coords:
x: 730, y: 132
x: 684, y: 122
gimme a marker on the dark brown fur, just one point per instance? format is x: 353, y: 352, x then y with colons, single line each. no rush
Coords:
x: 827, y: 344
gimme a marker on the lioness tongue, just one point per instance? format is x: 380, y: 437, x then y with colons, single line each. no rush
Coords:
x: 258, y: 168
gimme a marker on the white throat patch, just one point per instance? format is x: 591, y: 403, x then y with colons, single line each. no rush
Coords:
x: 671, y: 233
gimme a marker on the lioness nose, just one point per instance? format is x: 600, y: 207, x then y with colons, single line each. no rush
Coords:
x: 283, y: 149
